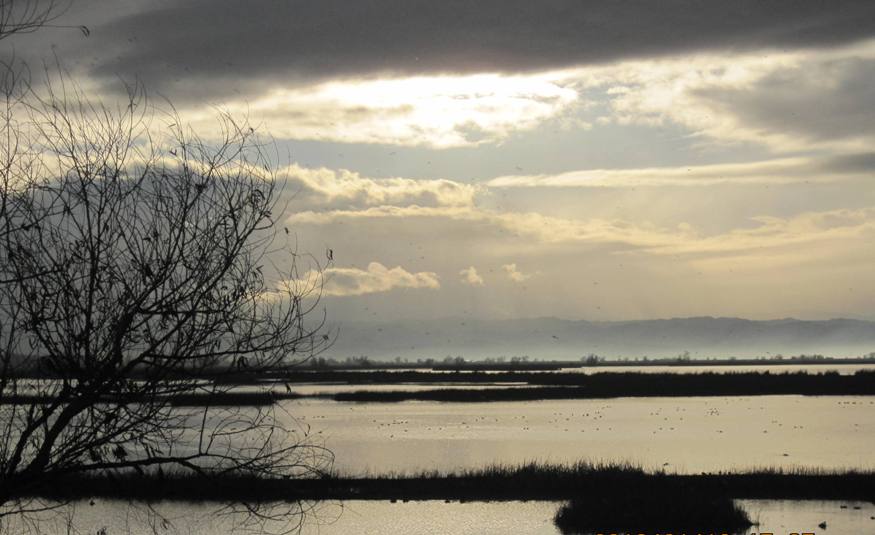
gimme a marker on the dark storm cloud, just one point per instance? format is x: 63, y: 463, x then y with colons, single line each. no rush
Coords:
x: 820, y: 100
x: 214, y: 47
x: 850, y: 164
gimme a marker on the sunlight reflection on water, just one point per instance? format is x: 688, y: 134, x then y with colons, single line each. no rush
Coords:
x: 438, y: 517
x: 676, y: 434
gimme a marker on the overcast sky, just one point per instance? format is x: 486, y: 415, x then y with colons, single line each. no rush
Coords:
x: 500, y: 159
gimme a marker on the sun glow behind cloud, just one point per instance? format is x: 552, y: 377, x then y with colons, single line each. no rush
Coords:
x: 434, y: 111
x: 783, y: 100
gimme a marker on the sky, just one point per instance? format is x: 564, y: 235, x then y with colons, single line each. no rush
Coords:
x: 505, y: 159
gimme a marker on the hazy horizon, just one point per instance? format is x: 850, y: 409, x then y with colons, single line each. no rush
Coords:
x: 553, y: 338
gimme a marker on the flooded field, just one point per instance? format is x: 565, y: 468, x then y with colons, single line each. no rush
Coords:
x: 536, y: 518
x: 688, y: 435
x: 685, y: 435
x: 430, y: 518
x: 674, y: 434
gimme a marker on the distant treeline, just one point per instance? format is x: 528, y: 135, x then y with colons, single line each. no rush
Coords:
x: 236, y: 375
x: 527, y: 363
x: 528, y: 376
x: 530, y: 386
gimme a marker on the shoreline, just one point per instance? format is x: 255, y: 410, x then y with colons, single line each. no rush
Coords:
x: 531, y: 386
x: 496, y: 483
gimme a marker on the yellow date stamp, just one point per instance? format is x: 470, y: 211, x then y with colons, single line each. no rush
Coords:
x: 698, y: 533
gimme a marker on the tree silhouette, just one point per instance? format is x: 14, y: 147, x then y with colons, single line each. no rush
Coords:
x: 140, y: 265
x: 27, y: 16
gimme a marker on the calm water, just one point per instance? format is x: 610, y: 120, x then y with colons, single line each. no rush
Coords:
x: 676, y: 434
x: 432, y: 517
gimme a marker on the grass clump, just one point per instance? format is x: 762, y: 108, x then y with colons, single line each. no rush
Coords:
x: 652, y: 513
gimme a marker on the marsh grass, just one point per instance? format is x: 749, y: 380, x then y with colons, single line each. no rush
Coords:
x: 546, y: 386
x: 658, y: 513
x: 530, y: 481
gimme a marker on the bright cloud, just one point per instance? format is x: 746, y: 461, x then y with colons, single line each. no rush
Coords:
x: 331, y: 187
x: 804, y: 229
x: 530, y: 225
x: 515, y: 274
x: 471, y: 277
x: 778, y: 171
x: 773, y: 233
x: 340, y: 282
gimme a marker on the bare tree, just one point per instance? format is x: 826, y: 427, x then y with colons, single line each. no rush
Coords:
x: 28, y: 16
x: 140, y: 265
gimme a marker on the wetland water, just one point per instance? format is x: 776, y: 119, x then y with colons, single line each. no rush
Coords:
x: 690, y: 435
x: 684, y: 434
x: 440, y: 518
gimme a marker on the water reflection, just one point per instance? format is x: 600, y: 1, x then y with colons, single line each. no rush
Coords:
x: 690, y: 435
x: 425, y: 517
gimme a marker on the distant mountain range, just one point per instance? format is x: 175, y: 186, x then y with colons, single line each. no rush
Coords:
x: 552, y: 338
